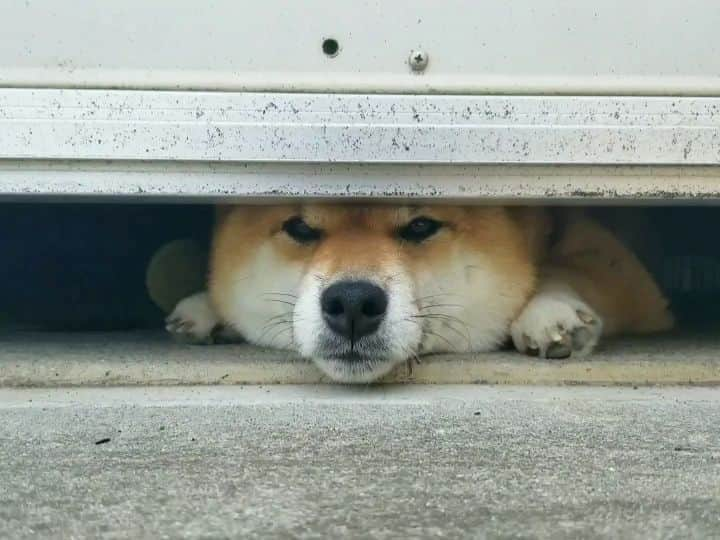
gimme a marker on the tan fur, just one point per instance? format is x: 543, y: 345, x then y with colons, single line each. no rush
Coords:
x: 363, y: 237
x: 238, y: 231
x: 607, y: 275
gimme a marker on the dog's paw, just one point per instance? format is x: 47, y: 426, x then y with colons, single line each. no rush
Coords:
x: 556, y: 325
x: 193, y: 320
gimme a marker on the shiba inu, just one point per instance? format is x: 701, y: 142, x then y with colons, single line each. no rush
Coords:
x: 359, y: 289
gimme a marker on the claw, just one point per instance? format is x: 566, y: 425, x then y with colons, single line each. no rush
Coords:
x: 531, y: 346
x: 177, y: 325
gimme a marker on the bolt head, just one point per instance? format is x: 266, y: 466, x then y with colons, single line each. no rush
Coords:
x: 418, y: 60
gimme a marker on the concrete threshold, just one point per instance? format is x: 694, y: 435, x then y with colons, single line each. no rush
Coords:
x: 33, y: 359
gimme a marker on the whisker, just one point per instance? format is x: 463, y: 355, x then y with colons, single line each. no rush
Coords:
x: 446, y: 340
x: 435, y: 296
x: 286, y: 314
x: 429, y: 332
x: 436, y: 316
x: 280, y: 301
x: 442, y: 316
x: 449, y: 326
x: 429, y: 306
x: 320, y: 278
x: 291, y: 320
x: 412, y: 355
x: 276, y: 323
x: 277, y: 335
x: 281, y: 294
x: 267, y: 329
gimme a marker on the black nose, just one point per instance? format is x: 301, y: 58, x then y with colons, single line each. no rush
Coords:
x: 353, y: 309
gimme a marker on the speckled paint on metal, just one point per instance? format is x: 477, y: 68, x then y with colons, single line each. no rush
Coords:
x: 165, y: 181
x: 328, y: 128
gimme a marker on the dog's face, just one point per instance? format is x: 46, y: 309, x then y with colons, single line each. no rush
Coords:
x: 360, y: 289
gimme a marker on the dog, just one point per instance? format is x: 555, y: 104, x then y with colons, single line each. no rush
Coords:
x: 361, y: 289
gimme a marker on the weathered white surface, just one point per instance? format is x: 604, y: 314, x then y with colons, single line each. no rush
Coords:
x: 523, y: 46
x: 96, y: 359
x: 322, y: 128
x: 258, y: 182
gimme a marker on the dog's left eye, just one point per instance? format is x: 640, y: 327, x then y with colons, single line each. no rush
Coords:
x: 419, y: 229
x: 297, y: 229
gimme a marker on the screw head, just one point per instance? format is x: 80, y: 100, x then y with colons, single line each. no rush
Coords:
x: 418, y: 60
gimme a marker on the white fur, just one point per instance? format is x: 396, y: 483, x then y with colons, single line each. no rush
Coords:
x: 466, y: 308
x: 193, y: 318
x: 555, y: 310
x: 262, y: 300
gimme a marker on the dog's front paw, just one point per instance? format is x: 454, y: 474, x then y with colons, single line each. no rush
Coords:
x: 193, y: 320
x: 556, y: 325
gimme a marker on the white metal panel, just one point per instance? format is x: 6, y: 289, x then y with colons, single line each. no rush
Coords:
x: 267, y: 182
x: 518, y: 46
x: 322, y: 128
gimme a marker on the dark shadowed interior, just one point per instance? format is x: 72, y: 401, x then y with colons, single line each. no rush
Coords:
x: 82, y: 266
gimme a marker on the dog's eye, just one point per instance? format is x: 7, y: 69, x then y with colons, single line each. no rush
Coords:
x: 301, y: 232
x: 419, y: 229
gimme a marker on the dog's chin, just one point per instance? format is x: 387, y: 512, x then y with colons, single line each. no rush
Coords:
x: 353, y: 368
x: 364, y: 361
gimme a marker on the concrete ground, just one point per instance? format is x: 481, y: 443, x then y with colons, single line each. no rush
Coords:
x: 369, y: 462
x: 151, y: 358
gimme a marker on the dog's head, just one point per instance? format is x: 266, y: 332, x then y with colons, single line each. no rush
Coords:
x: 361, y: 289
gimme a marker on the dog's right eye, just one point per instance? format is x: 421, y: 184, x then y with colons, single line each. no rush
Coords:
x: 301, y: 232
